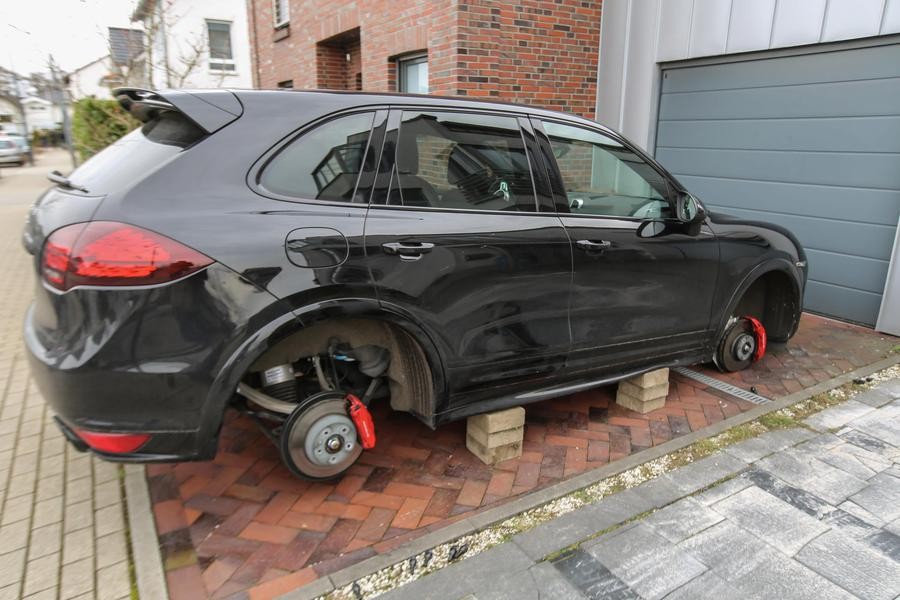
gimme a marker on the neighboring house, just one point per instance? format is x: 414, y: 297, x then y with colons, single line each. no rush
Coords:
x: 124, y: 65
x: 196, y: 43
x: 41, y: 114
x: 776, y: 110
x: 10, y: 115
x: 542, y: 52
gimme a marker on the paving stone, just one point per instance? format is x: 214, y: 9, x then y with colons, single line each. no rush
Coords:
x: 893, y: 527
x: 853, y: 566
x: 860, y: 463
x: 770, y: 519
x: 78, y: 544
x: 655, y: 493
x: 48, y: 594
x: 682, y: 519
x: 41, y: 573
x: 885, y: 429
x: 723, y: 490
x: 549, y: 583
x: 110, y: 519
x: 705, y: 472
x: 110, y: 549
x: 881, y: 497
x: 786, y: 578
x: 874, y: 397
x: 727, y: 549
x: 15, y: 535
x: 860, y: 513
x: 77, y: 578
x: 17, y: 509
x: 753, y: 449
x: 891, y: 388
x: 886, y: 542
x: 44, y: 540
x: 47, y: 512
x: 113, y: 582
x: 804, y: 471
x: 12, y: 566
x: 647, y: 562
x: 591, y: 578
x: 707, y: 586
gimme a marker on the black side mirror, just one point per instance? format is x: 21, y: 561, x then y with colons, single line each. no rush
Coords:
x: 689, y: 210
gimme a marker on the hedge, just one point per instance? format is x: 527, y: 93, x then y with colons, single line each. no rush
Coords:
x: 98, y: 123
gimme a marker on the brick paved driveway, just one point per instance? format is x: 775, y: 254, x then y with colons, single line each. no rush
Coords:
x: 62, y: 528
x: 241, y: 525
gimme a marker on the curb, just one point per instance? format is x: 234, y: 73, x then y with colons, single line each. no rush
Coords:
x: 348, y: 575
x: 148, y: 569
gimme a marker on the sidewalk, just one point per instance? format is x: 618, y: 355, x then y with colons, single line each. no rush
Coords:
x: 797, y: 513
x: 62, y: 520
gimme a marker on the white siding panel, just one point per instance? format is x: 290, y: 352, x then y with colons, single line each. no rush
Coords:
x: 797, y: 22
x: 637, y: 118
x: 709, y: 31
x: 751, y: 25
x: 851, y: 19
x: 891, y: 20
x: 674, y: 29
x: 613, y: 41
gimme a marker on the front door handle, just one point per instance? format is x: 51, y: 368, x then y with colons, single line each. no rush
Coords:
x: 590, y: 245
x: 407, y: 250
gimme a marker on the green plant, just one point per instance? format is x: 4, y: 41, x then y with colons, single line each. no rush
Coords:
x: 98, y: 123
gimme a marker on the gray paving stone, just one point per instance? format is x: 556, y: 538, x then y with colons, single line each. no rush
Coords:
x: 647, y: 562
x: 41, y: 574
x: 860, y: 513
x: 881, y: 497
x: 113, y: 582
x: 891, y: 388
x: 77, y: 578
x: 804, y: 471
x: 707, y: 586
x: 723, y: 490
x: 755, y: 448
x: 549, y: 583
x: 821, y: 443
x: 12, y: 565
x: 770, y: 519
x: 705, y: 472
x: 657, y: 492
x: 45, y: 540
x: 874, y: 397
x: 786, y: 578
x: 591, y: 578
x: 729, y: 550
x: 853, y: 566
x: 884, y: 429
x: 682, y: 519
x: 852, y: 463
x: 893, y: 527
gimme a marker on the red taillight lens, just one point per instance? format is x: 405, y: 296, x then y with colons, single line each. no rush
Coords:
x: 114, y: 443
x: 105, y: 253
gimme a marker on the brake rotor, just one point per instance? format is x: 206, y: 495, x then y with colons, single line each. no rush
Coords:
x: 737, y: 348
x: 319, y: 440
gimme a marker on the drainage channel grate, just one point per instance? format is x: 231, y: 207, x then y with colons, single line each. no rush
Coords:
x: 722, y: 386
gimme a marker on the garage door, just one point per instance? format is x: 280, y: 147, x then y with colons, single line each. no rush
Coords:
x: 811, y: 142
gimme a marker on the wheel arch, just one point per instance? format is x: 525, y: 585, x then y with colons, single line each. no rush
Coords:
x: 772, y: 292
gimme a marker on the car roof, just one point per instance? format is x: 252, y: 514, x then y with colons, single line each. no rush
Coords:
x: 396, y: 98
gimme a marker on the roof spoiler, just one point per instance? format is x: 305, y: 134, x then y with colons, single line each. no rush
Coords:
x: 210, y: 110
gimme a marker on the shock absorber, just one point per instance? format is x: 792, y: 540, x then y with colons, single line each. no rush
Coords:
x: 279, y: 382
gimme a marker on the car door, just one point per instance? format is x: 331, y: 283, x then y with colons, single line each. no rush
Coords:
x: 640, y: 294
x: 454, y: 240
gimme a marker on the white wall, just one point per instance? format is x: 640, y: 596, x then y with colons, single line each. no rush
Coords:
x: 86, y: 81
x: 7, y: 108
x: 41, y: 114
x: 637, y: 35
x: 186, y: 28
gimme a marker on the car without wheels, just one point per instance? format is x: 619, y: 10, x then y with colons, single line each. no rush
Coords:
x: 297, y: 256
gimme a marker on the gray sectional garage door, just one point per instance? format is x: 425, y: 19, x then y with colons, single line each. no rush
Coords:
x: 811, y: 142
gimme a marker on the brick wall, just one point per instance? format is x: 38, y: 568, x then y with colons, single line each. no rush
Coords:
x: 542, y: 52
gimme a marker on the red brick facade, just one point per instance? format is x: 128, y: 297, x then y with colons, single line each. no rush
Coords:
x: 541, y: 52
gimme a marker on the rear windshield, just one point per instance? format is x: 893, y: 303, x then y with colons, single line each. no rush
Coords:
x: 137, y: 154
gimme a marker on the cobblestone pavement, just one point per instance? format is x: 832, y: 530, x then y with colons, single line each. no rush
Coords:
x: 62, y: 525
x: 799, y: 513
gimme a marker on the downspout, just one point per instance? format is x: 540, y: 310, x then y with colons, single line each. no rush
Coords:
x: 253, y: 43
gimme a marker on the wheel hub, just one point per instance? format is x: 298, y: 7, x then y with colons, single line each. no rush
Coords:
x: 331, y: 441
x: 744, y: 346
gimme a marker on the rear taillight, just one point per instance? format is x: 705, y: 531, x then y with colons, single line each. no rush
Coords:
x: 105, y: 253
x: 113, y: 443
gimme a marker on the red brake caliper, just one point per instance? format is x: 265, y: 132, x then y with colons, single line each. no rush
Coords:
x: 362, y: 418
x: 759, y: 332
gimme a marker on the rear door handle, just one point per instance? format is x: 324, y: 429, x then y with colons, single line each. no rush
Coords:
x: 407, y: 250
x: 592, y: 245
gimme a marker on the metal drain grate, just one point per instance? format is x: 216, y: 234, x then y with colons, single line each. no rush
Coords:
x: 722, y: 386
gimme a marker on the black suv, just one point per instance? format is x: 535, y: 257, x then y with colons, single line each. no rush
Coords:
x: 298, y: 255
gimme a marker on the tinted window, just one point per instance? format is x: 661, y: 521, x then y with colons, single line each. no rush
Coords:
x: 323, y: 164
x: 603, y: 177
x: 457, y: 160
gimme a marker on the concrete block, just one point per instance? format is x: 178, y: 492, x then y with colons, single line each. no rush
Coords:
x: 653, y: 378
x: 490, y: 456
x: 645, y: 393
x: 500, y: 420
x: 499, y: 438
x: 636, y: 404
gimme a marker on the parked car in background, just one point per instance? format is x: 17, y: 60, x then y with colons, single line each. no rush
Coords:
x: 298, y: 255
x: 11, y: 152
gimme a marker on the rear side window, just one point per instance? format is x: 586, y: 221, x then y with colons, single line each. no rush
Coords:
x: 322, y: 164
x: 461, y: 160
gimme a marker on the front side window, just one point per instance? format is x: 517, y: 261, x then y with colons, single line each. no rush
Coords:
x: 461, y: 160
x: 412, y: 75
x: 603, y: 177
x: 220, y: 55
x: 322, y: 164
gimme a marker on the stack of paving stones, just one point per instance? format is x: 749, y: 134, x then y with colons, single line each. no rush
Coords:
x: 800, y: 513
x: 497, y: 436
x: 62, y: 526
x: 644, y: 393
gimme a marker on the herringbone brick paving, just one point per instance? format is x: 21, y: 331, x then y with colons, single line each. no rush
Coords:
x: 242, y: 526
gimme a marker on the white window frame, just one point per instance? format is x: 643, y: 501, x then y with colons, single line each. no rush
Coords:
x: 281, y: 12
x: 220, y: 61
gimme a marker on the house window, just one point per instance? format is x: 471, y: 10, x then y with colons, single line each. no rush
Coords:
x: 220, y: 55
x: 282, y: 12
x: 286, y: 85
x: 412, y: 74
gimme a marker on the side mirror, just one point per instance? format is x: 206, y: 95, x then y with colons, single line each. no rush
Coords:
x: 689, y: 210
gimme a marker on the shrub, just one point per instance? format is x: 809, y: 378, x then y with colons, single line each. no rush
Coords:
x: 98, y: 123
